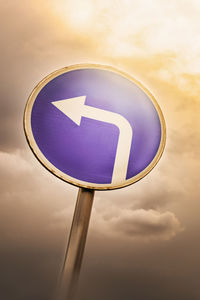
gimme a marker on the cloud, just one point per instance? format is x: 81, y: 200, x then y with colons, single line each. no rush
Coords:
x: 30, y: 195
x: 137, y: 29
x: 148, y: 224
x: 34, y: 43
x: 158, y: 43
x: 146, y: 219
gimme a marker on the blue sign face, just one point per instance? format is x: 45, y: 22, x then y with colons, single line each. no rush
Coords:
x: 94, y: 127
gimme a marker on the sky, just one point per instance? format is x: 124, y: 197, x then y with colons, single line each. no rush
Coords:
x: 143, y: 241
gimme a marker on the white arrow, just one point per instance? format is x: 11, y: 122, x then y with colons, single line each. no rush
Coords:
x: 75, y: 109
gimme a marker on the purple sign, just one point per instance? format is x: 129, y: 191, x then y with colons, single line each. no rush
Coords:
x: 94, y: 127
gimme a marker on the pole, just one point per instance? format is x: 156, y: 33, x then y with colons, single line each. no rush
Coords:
x: 76, y: 244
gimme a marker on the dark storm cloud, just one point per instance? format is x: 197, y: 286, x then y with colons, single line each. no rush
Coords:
x: 31, y: 250
x: 34, y: 227
x: 21, y: 177
x: 29, y: 272
x: 128, y: 271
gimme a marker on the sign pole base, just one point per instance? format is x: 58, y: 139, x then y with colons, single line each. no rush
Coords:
x: 76, y: 245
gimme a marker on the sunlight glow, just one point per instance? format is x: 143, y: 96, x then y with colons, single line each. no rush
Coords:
x: 138, y: 28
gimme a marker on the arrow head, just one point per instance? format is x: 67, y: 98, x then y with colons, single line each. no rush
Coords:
x: 72, y: 108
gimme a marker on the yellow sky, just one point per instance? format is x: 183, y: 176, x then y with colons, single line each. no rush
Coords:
x: 138, y: 28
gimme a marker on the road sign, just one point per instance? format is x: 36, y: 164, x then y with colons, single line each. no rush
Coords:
x: 97, y: 128
x: 94, y: 127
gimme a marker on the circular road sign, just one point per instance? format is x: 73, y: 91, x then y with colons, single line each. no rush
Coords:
x: 94, y: 126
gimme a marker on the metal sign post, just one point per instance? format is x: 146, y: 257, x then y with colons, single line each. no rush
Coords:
x: 97, y: 128
x: 76, y: 245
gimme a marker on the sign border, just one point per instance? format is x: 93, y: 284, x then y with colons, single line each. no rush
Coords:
x: 50, y: 167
